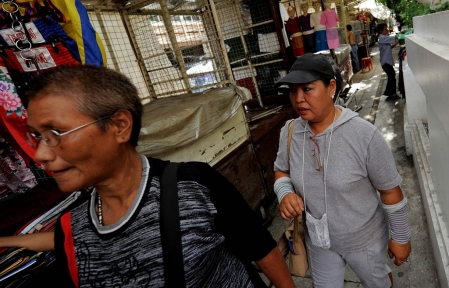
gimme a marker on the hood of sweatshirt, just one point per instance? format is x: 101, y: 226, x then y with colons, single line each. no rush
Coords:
x: 345, y: 116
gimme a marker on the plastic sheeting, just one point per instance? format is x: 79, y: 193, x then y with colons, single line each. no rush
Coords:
x: 171, y: 123
x: 341, y: 53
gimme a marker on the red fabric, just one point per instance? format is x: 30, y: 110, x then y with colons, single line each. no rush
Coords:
x: 69, y: 246
x: 298, y: 46
x: 13, y: 116
x: 292, y: 26
x: 247, y: 83
x: 63, y: 57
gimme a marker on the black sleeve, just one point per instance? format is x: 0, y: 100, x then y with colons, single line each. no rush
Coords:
x: 243, y: 232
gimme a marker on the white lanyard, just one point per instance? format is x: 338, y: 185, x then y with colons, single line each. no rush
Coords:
x: 325, y: 164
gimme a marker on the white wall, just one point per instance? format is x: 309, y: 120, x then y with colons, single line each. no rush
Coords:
x: 428, y: 60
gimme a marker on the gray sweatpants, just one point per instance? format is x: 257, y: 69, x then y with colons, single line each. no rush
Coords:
x: 370, y: 265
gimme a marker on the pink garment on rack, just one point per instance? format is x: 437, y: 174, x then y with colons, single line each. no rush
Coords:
x: 332, y: 38
x: 329, y: 18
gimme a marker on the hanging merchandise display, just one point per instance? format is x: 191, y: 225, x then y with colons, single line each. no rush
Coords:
x: 40, y: 35
x: 294, y: 33
x: 307, y: 30
x: 13, y: 116
x: 329, y: 19
x: 34, y: 36
x: 15, y: 176
x: 320, y: 29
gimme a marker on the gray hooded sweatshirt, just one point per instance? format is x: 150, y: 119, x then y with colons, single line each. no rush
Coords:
x: 360, y: 162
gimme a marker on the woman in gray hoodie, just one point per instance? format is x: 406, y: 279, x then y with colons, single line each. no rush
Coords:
x: 334, y: 168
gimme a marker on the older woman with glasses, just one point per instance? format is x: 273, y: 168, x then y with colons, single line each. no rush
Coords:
x: 84, y: 122
x: 331, y: 170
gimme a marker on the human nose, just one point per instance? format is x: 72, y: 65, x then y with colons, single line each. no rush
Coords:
x: 43, y: 153
x: 297, y: 96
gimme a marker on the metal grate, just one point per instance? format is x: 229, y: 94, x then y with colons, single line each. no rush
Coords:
x: 172, y: 47
x: 178, y: 47
x: 252, y: 44
x: 119, y: 50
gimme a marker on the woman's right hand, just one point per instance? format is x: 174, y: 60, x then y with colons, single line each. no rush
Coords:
x: 291, y: 206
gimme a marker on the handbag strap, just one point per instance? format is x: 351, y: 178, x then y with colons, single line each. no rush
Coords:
x: 170, y: 229
x: 291, y: 125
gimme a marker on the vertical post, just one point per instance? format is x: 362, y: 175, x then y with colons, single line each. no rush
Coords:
x: 220, y: 39
x: 274, y: 7
x: 107, y: 41
x: 174, y: 42
x: 248, y: 58
x: 344, y: 20
x: 129, y: 31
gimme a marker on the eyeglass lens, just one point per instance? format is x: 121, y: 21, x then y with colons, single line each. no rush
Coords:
x: 31, y: 139
x: 47, y: 136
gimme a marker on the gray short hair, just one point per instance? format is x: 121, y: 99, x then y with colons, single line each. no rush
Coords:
x: 98, y: 91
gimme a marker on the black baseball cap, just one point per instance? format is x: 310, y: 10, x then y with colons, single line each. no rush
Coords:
x: 308, y: 68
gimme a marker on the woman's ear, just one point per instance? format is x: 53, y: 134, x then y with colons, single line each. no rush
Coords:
x: 122, y: 123
x: 332, y: 87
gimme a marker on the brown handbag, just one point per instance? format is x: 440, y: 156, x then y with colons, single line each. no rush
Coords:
x: 292, y: 241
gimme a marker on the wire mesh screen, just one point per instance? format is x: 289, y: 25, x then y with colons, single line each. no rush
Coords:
x: 252, y: 43
x: 119, y: 51
x: 174, y: 47
x: 179, y: 54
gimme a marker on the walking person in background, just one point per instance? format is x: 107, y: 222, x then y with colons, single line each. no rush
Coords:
x: 335, y: 167
x: 354, y: 48
x: 386, y: 43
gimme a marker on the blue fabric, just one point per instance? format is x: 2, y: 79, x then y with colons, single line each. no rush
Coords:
x: 93, y: 52
x: 355, y: 58
x: 385, y: 49
x: 50, y: 28
x: 320, y: 40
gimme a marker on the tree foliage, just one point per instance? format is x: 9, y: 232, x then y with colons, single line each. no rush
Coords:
x: 405, y: 10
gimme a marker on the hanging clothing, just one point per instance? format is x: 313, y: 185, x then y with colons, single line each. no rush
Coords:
x: 292, y: 26
x: 320, y: 31
x: 315, y: 21
x: 284, y: 17
x: 13, y: 115
x: 297, y: 44
x: 329, y: 19
x: 332, y: 38
x: 308, y: 33
x: 15, y: 176
x: 321, y: 40
x: 295, y: 36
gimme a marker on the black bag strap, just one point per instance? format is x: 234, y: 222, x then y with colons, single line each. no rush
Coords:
x: 170, y: 229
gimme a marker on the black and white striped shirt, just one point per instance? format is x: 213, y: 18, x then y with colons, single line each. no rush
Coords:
x: 220, y: 236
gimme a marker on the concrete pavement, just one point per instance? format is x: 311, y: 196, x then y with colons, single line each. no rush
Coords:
x: 387, y: 115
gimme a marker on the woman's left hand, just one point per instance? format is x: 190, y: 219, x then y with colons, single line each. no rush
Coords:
x: 400, y: 252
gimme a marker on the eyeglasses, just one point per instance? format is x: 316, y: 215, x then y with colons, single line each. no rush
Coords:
x: 52, y: 138
x: 316, y: 154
